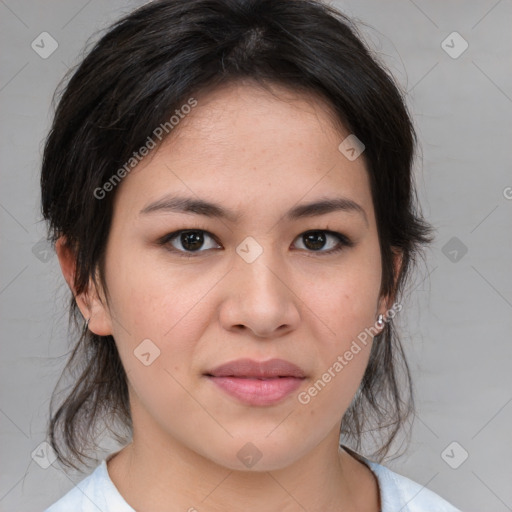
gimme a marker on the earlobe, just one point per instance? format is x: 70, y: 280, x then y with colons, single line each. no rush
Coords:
x: 99, y: 319
x: 397, y: 263
x: 93, y: 309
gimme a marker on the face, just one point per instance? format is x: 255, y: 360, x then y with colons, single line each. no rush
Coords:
x: 266, y: 280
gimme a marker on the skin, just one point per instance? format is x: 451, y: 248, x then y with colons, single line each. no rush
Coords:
x: 258, y: 154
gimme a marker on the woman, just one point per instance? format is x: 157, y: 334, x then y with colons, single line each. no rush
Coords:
x: 228, y: 186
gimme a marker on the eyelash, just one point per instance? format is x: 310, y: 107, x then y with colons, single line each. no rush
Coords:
x: 343, y: 242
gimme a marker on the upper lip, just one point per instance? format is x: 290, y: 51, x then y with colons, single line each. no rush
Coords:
x: 250, y: 368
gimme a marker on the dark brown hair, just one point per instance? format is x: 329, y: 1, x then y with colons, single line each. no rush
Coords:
x: 145, y: 67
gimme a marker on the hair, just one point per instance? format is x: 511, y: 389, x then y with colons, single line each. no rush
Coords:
x: 147, y: 65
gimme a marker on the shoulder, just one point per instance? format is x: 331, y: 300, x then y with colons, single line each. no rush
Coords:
x: 398, y: 492
x: 93, y: 493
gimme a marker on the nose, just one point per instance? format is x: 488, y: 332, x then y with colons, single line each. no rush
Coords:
x: 260, y: 298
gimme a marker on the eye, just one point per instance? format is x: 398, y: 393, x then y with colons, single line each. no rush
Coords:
x: 189, y: 241
x: 315, y: 241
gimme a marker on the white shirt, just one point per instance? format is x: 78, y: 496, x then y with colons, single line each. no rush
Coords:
x: 397, y: 493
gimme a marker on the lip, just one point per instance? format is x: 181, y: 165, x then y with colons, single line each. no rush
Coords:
x: 257, y: 382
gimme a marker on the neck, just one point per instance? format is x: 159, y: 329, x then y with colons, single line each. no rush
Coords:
x: 151, y: 474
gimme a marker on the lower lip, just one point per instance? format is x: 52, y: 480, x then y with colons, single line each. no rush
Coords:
x: 257, y: 391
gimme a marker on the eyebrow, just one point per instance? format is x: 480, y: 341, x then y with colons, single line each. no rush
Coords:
x: 179, y: 204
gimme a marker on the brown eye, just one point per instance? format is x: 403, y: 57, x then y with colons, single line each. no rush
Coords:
x: 189, y: 241
x: 192, y: 240
x: 315, y: 241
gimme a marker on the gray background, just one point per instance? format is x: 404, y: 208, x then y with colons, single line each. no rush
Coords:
x: 457, y: 324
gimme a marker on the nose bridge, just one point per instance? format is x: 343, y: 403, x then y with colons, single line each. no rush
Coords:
x: 260, y: 300
x: 259, y: 265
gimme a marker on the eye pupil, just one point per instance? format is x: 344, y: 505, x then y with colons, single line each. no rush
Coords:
x: 314, y: 240
x: 192, y: 240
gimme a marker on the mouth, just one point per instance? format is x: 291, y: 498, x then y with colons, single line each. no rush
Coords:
x: 257, y: 382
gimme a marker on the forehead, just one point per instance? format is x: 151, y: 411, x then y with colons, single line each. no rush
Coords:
x: 245, y: 145
x: 275, y: 118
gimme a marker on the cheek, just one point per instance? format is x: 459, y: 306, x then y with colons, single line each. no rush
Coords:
x: 159, y: 316
x: 162, y: 399
x: 155, y: 299
x: 340, y: 369
x: 346, y: 302
x: 158, y: 358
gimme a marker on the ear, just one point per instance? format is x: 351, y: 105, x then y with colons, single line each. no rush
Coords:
x: 91, y: 305
x: 386, y: 302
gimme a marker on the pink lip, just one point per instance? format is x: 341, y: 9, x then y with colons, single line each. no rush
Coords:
x: 257, y: 383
